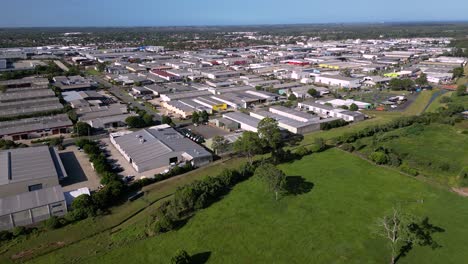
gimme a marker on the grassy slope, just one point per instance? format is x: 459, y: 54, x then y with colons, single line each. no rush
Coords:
x: 91, y: 227
x: 464, y: 79
x: 377, y: 118
x: 436, y: 104
x: 330, y: 224
x: 435, y: 145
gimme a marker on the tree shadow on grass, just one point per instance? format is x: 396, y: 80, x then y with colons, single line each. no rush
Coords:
x: 297, y: 185
x: 422, y: 236
x: 200, y: 258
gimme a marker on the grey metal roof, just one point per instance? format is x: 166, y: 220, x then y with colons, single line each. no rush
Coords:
x: 287, y: 121
x: 313, y: 103
x: 242, y: 118
x: 92, y: 112
x: 34, y: 124
x: 7, y: 97
x: 29, y: 200
x: 26, y: 164
x: 147, y: 147
x: 294, y: 112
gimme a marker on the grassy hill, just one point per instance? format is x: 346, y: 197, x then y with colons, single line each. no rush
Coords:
x: 330, y: 223
x: 437, y: 151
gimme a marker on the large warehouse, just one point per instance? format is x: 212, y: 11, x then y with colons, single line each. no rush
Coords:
x: 158, y: 147
x: 29, y: 186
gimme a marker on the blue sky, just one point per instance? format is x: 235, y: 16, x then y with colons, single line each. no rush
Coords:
x: 26, y: 13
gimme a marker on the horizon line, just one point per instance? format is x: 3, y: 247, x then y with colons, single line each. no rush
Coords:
x: 247, y: 25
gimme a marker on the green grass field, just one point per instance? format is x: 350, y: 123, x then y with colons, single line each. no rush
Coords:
x: 43, y: 242
x: 329, y: 224
x: 428, y: 149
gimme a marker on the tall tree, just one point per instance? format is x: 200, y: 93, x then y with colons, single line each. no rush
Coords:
x: 270, y: 134
x: 166, y: 120
x: 195, y: 118
x: 82, y: 129
x: 248, y: 144
x: 312, y: 92
x: 274, y: 178
x: 421, y: 80
x: 353, y: 107
x: 402, y: 231
x: 204, y: 116
x: 220, y: 144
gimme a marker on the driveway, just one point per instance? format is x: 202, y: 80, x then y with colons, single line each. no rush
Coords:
x: 207, y: 131
x: 79, y: 170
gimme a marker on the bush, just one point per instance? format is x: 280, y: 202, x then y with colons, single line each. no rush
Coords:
x: 333, y: 124
x: 52, y: 223
x: 181, y: 257
x: 347, y: 147
x: 394, y: 159
x: 19, y: 231
x: 444, y: 166
x: 197, y: 195
x: 445, y: 100
x: 5, y: 235
x: 319, y: 145
x: 407, y: 169
x: 379, y: 157
x: 163, y: 224
x: 302, y: 151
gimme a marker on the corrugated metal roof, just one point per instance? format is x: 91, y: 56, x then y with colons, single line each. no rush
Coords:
x: 26, y: 164
x: 29, y: 200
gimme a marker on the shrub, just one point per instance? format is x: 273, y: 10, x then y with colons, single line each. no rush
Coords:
x: 444, y: 166
x: 52, y: 223
x: 394, y: 159
x: 5, y: 235
x: 163, y: 224
x: 445, y: 100
x: 181, y: 257
x: 302, y: 151
x: 407, y: 169
x: 379, y: 157
x: 347, y: 147
x: 19, y: 231
x: 333, y: 124
x: 319, y: 145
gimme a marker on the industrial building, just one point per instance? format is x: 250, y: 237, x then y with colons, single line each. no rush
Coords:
x: 338, y: 81
x: 29, y: 186
x: 102, y: 117
x: 36, y: 127
x: 329, y: 111
x: 246, y: 122
x: 73, y: 83
x: 158, y: 147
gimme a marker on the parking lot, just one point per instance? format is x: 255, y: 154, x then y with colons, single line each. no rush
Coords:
x: 207, y: 131
x: 116, y: 158
x: 79, y: 170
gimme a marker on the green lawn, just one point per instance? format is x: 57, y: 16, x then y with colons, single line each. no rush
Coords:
x: 428, y: 149
x: 330, y: 224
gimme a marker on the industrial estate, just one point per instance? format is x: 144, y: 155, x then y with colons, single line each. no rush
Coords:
x: 148, y: 152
